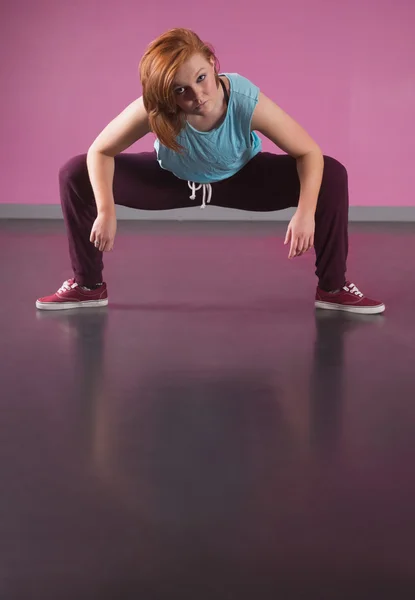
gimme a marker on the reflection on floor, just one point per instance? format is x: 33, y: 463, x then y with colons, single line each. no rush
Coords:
x: 208, y: 435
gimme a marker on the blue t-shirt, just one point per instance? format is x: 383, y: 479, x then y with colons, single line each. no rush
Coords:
x: 214, y: 155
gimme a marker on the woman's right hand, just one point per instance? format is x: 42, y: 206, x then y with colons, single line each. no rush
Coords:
x: 103, y: 232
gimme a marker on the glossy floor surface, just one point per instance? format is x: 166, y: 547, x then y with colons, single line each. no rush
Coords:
x: 209, y: 435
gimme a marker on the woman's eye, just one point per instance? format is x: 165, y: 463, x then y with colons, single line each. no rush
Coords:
x: 180, y: 91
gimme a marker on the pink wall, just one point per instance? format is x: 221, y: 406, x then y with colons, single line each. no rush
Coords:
x: 343, y: 70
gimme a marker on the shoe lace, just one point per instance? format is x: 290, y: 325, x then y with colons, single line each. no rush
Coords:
x: 350, y: 287
x: 67, y: 285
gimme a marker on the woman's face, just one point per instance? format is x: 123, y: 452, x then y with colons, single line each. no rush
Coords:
x: 195, y: 86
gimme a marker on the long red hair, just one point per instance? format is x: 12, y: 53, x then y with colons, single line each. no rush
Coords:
x: 158, y: 67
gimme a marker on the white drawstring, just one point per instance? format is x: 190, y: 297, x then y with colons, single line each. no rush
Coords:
x: 206, y: 187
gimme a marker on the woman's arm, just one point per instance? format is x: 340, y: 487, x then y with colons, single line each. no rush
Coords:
x: 123, y: 131
x: 128, y: 127
x: 287, y: 134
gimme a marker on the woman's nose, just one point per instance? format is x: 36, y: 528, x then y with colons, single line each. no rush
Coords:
x: 195, y: 96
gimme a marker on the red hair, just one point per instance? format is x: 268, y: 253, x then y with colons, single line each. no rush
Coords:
x: 158, y: 67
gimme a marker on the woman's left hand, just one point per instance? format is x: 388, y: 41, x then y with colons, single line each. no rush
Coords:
x: 301, y: 233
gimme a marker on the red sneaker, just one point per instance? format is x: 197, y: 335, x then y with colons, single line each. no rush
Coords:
x: 349, y: 299
x: 71, y: 295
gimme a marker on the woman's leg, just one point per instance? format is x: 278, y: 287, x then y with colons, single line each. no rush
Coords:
x: 270, y: 182
x: 139, y: 182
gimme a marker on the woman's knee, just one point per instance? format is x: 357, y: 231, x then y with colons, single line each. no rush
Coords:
x: 75, y: 169
x: 334, y: 170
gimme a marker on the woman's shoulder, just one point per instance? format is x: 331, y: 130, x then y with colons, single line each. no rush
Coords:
x: 241, y: 84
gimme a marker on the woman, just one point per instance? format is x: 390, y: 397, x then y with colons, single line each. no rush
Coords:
x: 205, y: 126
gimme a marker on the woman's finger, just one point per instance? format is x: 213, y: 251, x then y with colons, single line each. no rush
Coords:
x: 300, y: 247
x: 306, y: 247
x: 310, y: 243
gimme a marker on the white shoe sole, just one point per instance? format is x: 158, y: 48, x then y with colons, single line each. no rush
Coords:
x: 69, y: 305
x: 363, y: 310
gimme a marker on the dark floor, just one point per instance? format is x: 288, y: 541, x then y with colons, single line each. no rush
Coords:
x: 209, y: 435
